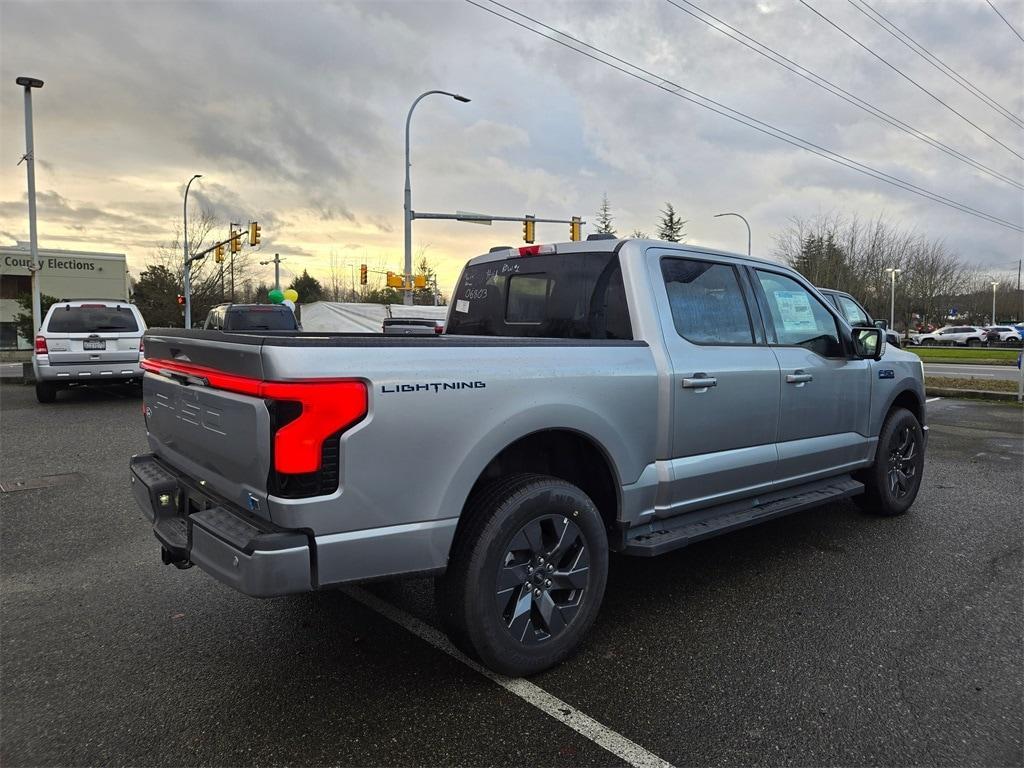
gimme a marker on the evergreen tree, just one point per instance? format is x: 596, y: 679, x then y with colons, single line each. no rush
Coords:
x: 23, y: 320
x: 156, y: 296
x: 308, y: 288
x: 671, y: 227
x: 605, y: 223
x: 640, y: 234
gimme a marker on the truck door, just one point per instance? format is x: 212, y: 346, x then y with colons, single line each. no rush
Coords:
x: 724, y: 381
x: 825, y: 394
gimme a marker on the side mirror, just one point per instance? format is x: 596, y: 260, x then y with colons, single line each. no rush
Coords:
x: 868, y: 343
x: 882, y: 324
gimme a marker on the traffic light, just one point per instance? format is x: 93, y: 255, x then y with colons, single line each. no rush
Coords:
x: 574, y: 229
x: 218, y: 254
x: 254, y: 233
x: 181, y: 300
x: 362, y: 274
x: 529, y: 229
x: 420, y: 281
x: 236, y: 241
x: 395, y: 281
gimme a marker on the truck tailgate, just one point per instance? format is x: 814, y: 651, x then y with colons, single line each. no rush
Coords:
x: 211, y: 434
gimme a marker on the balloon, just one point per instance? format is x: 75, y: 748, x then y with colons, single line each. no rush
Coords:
x: 275, y: 296
x: 291, y: 294
x: 289, y: 303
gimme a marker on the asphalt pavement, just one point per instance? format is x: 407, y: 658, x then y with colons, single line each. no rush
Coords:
x: 825, y: 638
x: 990, y: 372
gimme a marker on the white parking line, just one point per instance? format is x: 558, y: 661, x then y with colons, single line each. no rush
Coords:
x: 932, y: 399
x: 604, y: 737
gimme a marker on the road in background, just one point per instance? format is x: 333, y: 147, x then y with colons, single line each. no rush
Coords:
x: 966, y: 371
x: 827, y: 637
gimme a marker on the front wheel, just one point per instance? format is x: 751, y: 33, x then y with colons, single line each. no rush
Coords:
x: 892, y: 482
x: 526, y: 574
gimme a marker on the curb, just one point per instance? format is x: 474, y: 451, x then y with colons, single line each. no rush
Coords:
x: 972, y: 394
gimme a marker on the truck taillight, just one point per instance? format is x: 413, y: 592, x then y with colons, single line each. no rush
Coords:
x: 537, y: 250
x: 41, y: 345
x: 142, y: 348
x: 321, y: 408
x: 438, y: 329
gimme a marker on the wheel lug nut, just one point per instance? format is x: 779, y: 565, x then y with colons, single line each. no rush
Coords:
x: 551, y: 567
x: 547, y: 583
x: 536, y: 593
x: 540, y: 561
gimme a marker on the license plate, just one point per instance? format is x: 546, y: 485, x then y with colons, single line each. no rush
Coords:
x: 94, y: 344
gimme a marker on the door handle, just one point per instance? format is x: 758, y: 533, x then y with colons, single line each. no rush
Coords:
x: 700, y: 381
x: 798, y: 378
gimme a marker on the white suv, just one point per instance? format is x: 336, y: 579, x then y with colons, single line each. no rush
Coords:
x: 966, y: 335
x: 87, y: 341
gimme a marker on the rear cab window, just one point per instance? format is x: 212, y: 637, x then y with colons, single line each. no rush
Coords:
x: 559, y: 296
x: 260, y: 319
x: 92, y: 319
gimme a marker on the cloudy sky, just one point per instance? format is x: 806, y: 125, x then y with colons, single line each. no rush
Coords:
x: 294, y: 112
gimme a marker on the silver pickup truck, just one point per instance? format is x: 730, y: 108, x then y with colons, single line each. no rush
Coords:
x: 628, y: 396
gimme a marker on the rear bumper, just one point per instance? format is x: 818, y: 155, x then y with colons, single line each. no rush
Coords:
x: 85, y: 372
x: 242, y: 550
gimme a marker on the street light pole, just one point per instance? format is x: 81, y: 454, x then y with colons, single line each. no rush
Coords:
x: 717, y: 215
x: 408, y: 192
x: 892, y: 299
x: 188, y: 264
x: 994, y: 284
x: 28, y: 83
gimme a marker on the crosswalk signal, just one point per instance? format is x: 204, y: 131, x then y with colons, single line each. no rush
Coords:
x: 363, y: 271
x: 181, y: 300
x: 236, y: 241
x: 420, y: 281
x: 218, y: 254
x: 254, y: 233
x: 395, y: 281
x: 529, y: 227
x: 574, y: 229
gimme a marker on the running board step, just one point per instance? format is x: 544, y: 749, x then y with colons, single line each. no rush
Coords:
x: 665, y: 535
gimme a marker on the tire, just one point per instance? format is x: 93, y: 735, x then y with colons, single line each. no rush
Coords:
x: 523, y: 528
x: 973, y: 342
x: 46, y: 392
x: 892, y: 482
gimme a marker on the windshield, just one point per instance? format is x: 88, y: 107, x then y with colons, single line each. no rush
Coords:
x: 560, y: 296
x: 70, y: 319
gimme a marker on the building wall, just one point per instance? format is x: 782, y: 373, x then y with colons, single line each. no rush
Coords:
x: 64, y: 274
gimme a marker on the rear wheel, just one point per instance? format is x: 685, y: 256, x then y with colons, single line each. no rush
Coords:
x: 527, y: 574
x: 892, y: 483
x: 973, y: 342
x: 46, y: 392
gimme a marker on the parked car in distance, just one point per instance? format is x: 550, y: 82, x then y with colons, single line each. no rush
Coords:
x: 629, y: 396
x: 1002, y: 333
x: 964, y: 335
x: 234, y: 318
x: 412, y: 326
x: 87, y: 341
x: 855, y: 314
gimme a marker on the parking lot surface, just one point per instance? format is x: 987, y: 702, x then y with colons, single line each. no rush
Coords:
x: 827, y: 637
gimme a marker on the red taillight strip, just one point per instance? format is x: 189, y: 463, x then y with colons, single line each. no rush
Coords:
x: 328, y: 405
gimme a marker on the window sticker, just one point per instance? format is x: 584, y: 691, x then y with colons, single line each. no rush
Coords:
x: 462, y: 305
x: 795, y: 309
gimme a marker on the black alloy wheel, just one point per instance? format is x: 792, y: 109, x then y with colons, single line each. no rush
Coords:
x: 542, y: 579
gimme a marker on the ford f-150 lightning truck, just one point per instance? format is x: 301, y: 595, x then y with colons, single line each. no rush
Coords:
x: 629, y: 396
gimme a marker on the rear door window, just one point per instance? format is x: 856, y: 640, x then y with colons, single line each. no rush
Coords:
x: 852, y: 311
x: 706, y: 301
x: 92, y: 320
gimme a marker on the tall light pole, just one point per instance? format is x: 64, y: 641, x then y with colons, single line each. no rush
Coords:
x: 28, y: 83
x: 188, y: 263
x: 994, y: 284
x: 744, y: 221
x: 408, y: 191
x: 892, y: 300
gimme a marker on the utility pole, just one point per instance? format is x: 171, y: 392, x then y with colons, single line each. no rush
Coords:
x: 892, y: 301
x: 409, y: 215
x: 995, y: 283
x: 188, y: 261
x: 276, y: 261
x: 28, y: 83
